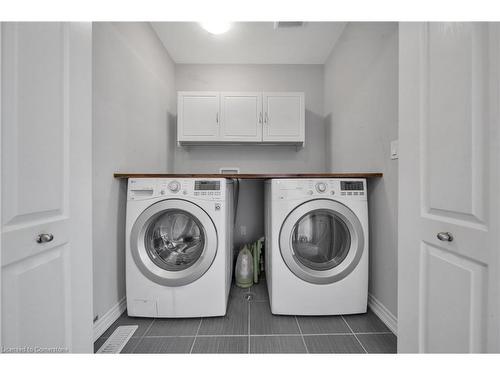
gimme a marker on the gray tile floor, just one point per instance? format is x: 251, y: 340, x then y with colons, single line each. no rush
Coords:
x: 249, y: 327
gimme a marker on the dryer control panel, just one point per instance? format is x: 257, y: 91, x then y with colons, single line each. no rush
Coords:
x: 317, y: 188
x: 146, y: 188
x: 352, y: 187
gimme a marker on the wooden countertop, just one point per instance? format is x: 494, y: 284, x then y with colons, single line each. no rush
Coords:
x: 248, y: 176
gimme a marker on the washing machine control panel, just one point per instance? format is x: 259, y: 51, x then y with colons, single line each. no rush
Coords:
x: 174, y: 186
x: 321, y: 187
x: 205, y: 185
x: 207, y: 188
x: 327, y: 188
x: 146, y: 188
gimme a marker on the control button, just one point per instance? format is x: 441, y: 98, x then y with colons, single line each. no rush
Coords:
x: 217, y: 206
x: 332, y: 192
x: 310, y: 192
x: 174, y: 186
x: 321, y: 187
x: 184, y: 192
x: 162, y: 192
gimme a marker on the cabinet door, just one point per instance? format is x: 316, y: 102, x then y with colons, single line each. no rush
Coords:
x: 283, y: 117
x: 241, y: 116
x: 198, y: 116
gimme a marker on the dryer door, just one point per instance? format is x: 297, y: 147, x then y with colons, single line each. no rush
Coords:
x: 321, y: 241
x: 173, y: 242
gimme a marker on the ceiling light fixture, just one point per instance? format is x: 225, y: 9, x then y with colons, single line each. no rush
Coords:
x: 216, y: 27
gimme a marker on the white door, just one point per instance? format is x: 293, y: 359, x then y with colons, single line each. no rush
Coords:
x: 284, y: 117
x: 46, y: 125
x: 198, y: 116
x: 241, y: 116
x: 449, y: 188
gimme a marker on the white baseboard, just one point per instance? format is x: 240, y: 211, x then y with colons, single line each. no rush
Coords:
x: 383, y: 313
x: 104, y: 322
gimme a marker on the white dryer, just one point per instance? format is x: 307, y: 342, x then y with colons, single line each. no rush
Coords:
x: 179, y: 247
x: 317, y: 246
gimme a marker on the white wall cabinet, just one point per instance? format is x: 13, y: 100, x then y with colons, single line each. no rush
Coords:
x: 283, y: 117
x: 241, y: 117
x: 198, y: 112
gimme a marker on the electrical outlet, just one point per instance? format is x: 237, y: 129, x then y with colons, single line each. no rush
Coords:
x: 243, y: 230
x: 395, y: 149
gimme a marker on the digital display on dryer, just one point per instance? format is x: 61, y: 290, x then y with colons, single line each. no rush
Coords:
x: 206, y: 185
x: 351, y: 185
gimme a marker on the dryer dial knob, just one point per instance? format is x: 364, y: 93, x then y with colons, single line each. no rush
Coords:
x: 174, y: 186
x: 321, y: 187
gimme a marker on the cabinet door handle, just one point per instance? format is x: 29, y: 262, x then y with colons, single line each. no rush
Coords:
x: 217, y: 117
x: 266, y: 119
x: 260, y: 117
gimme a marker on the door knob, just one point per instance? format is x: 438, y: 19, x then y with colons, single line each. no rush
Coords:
x: 445, y: 236
x: 44, y: 237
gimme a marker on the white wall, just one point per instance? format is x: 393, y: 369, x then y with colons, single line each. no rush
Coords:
x: 134, y: 116
x: 256, y: 158
x: 361, y: 111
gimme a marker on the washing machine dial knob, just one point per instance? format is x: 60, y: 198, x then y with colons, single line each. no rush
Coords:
x: 321, y: 187
x: 174, y: 186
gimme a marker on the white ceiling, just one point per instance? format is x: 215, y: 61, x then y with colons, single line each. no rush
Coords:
x: 249, y: 43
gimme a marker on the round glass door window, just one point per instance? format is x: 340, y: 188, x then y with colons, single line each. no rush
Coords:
x: 174, y: 240
x: 321, y: 240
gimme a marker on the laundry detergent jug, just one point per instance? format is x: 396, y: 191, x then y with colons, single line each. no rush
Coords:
x: 244, y: 268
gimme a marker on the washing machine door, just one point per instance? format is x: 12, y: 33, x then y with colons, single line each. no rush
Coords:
x: 174, y: 242
x: 321, y: 241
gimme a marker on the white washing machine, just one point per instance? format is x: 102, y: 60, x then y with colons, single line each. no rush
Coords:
x: 179, y: 247
x: 317, y: 246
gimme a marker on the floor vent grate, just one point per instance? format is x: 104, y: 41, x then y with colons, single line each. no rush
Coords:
x: 118, y: 339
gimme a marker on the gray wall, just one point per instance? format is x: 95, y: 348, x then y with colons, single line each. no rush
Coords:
x: 361, y: 111
x: 253, y: 158
x: 134, y: 110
